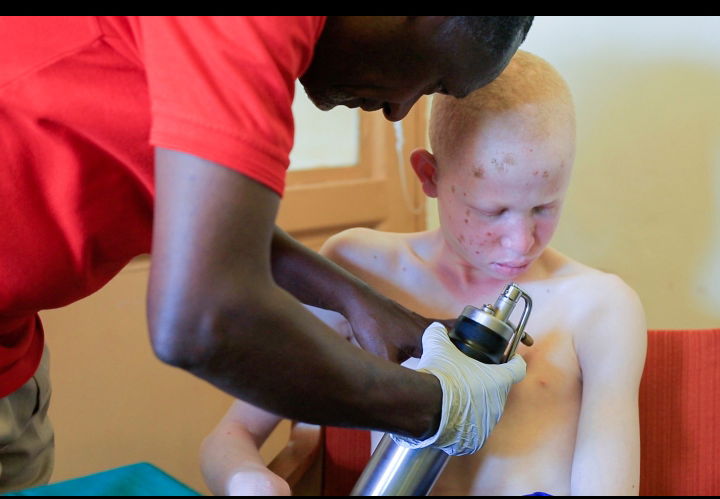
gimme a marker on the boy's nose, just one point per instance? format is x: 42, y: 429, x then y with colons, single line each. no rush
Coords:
x: 520, y: 240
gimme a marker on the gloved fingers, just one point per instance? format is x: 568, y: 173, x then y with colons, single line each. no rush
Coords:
x: 516, y: 367
x: 435, y: 335
x: 436, y: 341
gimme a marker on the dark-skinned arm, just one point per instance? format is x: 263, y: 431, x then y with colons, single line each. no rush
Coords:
x: 215, y: 310
x: 381, y: 326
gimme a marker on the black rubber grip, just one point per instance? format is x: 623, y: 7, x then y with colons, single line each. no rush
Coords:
x: 477, y: 341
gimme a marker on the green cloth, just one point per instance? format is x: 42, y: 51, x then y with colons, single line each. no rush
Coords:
x: 141, y: 479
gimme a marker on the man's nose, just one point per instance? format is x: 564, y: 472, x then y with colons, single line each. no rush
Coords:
x: 396, y: 112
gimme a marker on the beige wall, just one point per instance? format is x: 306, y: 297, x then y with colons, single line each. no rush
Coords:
x: 644, y: 201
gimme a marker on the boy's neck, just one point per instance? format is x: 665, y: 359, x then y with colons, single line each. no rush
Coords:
x: 464, y: 281
x: 459, y: 278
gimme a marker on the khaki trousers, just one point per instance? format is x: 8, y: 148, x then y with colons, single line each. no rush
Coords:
x: 26, y: 436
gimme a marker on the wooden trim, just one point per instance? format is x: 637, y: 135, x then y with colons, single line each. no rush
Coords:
x: 336, y: 207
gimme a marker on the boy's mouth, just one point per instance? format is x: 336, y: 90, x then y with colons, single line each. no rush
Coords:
x: 512, y: 268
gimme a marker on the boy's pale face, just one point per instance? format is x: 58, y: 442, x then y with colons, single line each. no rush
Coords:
x: 500, y: 201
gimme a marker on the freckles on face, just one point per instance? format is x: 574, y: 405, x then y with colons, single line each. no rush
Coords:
x: 500, y: 164
x: 473, y: 240
x: 543, y: 173
x: 471, y: 234
x: 464, y: 226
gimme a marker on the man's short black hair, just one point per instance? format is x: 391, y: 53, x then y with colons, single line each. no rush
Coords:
x: 496, y: 32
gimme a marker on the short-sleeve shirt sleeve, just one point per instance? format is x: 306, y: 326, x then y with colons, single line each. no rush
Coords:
x: 222, y: 87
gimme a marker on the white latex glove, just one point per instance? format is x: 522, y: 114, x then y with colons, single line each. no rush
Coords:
x: 474, y: 393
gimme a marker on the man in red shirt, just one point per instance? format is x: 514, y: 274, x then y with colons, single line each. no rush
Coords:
x: 115, y: 131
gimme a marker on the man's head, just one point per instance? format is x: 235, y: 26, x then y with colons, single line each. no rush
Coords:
x: 389, y: 62
x: 500, y: 166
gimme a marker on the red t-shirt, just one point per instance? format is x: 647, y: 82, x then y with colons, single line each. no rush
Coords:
x: 82, y: 102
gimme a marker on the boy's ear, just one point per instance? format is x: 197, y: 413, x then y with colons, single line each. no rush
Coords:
x: 425, y: 166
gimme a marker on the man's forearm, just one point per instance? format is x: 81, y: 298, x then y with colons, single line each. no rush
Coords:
x: 278, y: 356
x: 311, y: 278
x: 380, y: 325
x: 215, y: 309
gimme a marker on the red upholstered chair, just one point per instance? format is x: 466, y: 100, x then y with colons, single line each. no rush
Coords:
x: 680, y: 414
x: 346, y: 452
x: 679, y: 421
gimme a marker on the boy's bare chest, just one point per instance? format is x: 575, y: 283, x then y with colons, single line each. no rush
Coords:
x: 533, y: 444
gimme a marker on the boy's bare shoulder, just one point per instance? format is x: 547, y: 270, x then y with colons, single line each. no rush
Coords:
x: 592, y: 295
x: 365, y: 248
x: 562, y: 268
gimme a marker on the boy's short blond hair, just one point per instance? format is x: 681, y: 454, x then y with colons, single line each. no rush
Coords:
x: 529, y: 86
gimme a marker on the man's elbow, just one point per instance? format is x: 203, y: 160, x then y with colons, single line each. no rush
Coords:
x: 193, y: 331
x: 179, y: 339
x: 191, y: 336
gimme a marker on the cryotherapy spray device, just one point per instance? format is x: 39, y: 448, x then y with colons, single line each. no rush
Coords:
x: 486, y: 335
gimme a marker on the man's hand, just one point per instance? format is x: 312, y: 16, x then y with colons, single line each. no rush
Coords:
x: 474, y: 394
x: 389, y: 330
x: 385, y: 328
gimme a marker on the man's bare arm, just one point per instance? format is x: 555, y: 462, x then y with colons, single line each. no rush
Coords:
x: 215, y: 310
x: 380, y: 325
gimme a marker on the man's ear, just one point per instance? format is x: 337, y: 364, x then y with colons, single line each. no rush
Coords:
x: 425, y: 166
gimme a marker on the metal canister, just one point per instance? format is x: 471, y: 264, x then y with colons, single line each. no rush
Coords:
x: 484, y: 334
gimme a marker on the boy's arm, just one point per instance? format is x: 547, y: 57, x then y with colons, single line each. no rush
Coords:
x: 611, y: 351
x: 230, y: 455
